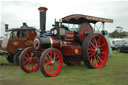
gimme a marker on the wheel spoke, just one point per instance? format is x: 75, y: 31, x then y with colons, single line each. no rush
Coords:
x: 26, y: 61
x: 32, y: 65
x: 99, y: 59
x: 102, y: 49
x: 103, y: 53
x: 28, y: 55
x: 25, y: 57
x: 48, y: 62
x: 98, y: 42
x: 92, y: 44
x: 91, y: 49
x: 27, y: 64
x: 92, y: 54
x: 95, y: 61
x: 49, y: 57
x: 95, y: 43
x: 92, y: 60
x: 49, y: 70
x: 46, y: 66
x: 31, y: 54
x: 55, y: 56
x: 101, y: 45
x: 55, y: 67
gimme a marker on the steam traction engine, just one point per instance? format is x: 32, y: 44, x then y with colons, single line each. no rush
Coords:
x: 15, y: 41
x: 65, y: 44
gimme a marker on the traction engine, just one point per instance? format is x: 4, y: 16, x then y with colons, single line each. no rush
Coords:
x: 64, y: 44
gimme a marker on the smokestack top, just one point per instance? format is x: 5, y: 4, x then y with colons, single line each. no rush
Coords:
x: 6, y: 24
x: 6, y: 27
x: 24, y: 24
x: 42, y: 9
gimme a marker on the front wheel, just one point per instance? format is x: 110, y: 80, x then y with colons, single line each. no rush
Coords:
x: 51, y: 62
x: 29, y: 61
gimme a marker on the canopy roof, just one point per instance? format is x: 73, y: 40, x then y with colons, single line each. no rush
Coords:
x: 22, y: 28
x: 79, y: 19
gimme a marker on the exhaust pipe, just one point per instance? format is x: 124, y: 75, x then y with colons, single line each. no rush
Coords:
x: 42, y: 19
x: 6, y: 27
x: 24, y: 25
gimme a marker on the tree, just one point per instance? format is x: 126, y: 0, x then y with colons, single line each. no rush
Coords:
x: 119, y: 29
x: 117, y: 33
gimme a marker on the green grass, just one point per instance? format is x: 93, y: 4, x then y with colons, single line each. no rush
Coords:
x: 114, y: 73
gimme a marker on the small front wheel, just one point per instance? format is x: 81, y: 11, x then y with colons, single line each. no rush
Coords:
x: 29, y: 61
x: 51, y: 62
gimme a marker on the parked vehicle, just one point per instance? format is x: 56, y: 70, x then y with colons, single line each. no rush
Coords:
x: 16, y: 41
x: 66, y: 45
x: 123, y: 48
x: 117, y: 44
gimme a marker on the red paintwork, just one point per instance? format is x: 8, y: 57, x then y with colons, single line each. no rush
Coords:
x: 70, y: 44
x: 70, y: 36
x: 67, y: 43
x: 55, y: 43
x: 66, y: 51
x: 76, y: 62
x: 98, y: 61
x: 67, y: 47
x: 30, y: 63
x: 52, y: 64
x: 84, y: 30
x: 73, y: 48
x: 70, y: 50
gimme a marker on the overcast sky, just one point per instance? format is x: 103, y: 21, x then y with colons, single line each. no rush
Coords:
x: 14, y: 12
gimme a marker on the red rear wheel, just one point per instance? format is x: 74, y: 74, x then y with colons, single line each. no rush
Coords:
x: 51, y: 62
x: 29, y: 61
x: 95, y: 51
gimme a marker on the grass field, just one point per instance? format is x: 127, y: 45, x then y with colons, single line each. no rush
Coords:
x: 114, y: 73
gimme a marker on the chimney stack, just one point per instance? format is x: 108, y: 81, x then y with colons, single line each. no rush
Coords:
x: 42, y: 19
x: 24, y: 24
x: 6, y: 27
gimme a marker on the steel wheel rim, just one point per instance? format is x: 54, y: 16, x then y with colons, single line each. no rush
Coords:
x: 28, y: 61
x: 52, y: 62
x: 97, y: 51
